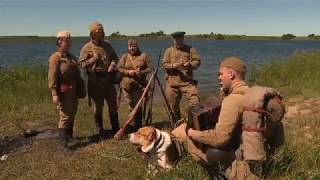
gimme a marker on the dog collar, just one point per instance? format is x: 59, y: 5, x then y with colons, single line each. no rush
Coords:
x: 156, y: 144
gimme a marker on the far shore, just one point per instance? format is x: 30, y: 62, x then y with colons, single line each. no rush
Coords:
x: 198, y: 36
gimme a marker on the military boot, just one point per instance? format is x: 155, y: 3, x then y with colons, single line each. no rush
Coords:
x: 114, y: 120
x: 70, y: 131
x: 99, y: 125
x: 64, y: 141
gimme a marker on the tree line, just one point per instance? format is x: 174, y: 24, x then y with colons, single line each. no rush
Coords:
x: 216, y: 36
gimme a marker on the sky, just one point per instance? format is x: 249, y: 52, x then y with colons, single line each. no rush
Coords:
x: 133, y: 17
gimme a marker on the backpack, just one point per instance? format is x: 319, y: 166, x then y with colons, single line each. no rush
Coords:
x: 262, y: 129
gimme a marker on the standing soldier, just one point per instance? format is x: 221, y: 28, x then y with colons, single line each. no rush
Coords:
x: 179, y: 61
x: 134, y: 67
x: 100, y: 61
x: 65, y: 83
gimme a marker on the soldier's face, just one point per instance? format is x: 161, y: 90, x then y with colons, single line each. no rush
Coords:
x: 225, y: 77
x: 98, y: 35
x: 178, y: 40
x: 65, y: 44
x: 133, y: 48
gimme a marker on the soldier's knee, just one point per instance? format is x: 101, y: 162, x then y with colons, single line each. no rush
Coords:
x: 196, y: 153
x: 217, y: 156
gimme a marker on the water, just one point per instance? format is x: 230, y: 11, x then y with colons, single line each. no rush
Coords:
x: 211, y: 51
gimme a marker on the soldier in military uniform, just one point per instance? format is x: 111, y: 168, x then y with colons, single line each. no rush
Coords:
x: 179, y: 62
x: 100, y: 61
x: 64, y: 82
x: 224, y: 139
x: 134, y: 67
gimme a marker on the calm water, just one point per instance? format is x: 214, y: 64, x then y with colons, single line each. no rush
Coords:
x: 211, y: 51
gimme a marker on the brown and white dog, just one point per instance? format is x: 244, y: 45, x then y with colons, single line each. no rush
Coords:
x: 156, y: 145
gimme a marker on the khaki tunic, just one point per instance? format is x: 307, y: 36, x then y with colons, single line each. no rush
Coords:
x: 63, y: 70
x: 100, y: 86
x: 107, y: 56
x: 132, y: 87
x: 183, y: 55
x: 228, y: 122
x: 229, y: 119
x: 181, y: 82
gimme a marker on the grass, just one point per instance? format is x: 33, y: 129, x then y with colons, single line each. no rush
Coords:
x: 298, y: 75
x: 25, y: 101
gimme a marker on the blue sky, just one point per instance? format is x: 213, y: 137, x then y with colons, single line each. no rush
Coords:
x: 260, y: 17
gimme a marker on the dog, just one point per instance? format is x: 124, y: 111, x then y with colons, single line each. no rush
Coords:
x: 156, y: 146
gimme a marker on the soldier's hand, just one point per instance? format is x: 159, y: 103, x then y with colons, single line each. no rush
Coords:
x: 112, y: 68
x: 55, y: 100
x: 187, y: 64
x: 131, y: 72
x: 189, y: 132
x: 137, y: 72
x: 94, y: 58
x: 176, y: 65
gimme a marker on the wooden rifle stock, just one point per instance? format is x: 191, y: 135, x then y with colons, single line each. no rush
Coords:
x: 132, y: 114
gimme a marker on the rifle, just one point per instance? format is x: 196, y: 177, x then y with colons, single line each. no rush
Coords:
x: 149, y: 101
x: 132, y: 114
x: 168, y: 107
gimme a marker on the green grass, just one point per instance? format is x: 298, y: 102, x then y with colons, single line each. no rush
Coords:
x: 26, y: 101
x: 298, y: 75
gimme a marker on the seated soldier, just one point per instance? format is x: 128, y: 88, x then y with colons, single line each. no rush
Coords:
x: 224, y: 139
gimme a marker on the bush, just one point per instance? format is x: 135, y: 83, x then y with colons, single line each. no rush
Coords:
x: 311, y: 36
x: 219, y: 37
x: 288, y: 36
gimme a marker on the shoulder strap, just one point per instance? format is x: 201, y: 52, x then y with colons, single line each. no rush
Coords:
x: 59, y: 63
x: 131, y: 60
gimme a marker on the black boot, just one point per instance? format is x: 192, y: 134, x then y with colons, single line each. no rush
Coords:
x: 70, y: 131
x: 114, y: 120
x: 99, y: 125
x: 64, y: 141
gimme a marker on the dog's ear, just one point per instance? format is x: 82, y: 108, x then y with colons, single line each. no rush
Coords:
x: 152, y: 135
